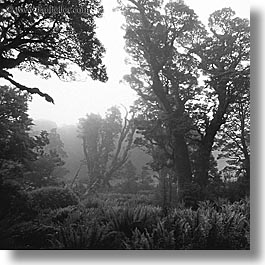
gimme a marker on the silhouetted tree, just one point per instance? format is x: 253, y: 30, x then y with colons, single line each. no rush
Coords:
x: 16, y: 144
x: 106, y: 144
x: 170, y: 49
x: 163, y: 73
x: 18, y: 148
x: 224, y: 60
x: 233, y: 143
x: 50, y: 36
x: 55, y: 144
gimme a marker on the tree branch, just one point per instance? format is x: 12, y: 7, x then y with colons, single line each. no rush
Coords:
x: 6, y: 75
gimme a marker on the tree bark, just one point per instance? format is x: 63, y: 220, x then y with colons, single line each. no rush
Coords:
x: 181, y: 161
x: 207, y: 141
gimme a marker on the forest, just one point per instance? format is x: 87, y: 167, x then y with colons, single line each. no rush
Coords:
x: 169, y: 172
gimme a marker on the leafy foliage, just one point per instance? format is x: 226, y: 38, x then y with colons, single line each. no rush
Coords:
x: 26, y: 158
x: 13, y: 201
x: 45, y: 42
x: 18, y: 148
x: 82, y: 237
x: 233, y: 141
x: 126, y: 219
x: 55, y: 144
x: 47, y: 169
x: 106, y: 145
x: 213, y: 225
x: 15, y: 142
x: 53, y: 197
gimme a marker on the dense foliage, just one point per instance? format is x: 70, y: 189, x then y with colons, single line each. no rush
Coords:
x: 110, y: 223
x: 36, y: 36
x: 15, y: 142
x: 52, y: 198
x: 27, y: 158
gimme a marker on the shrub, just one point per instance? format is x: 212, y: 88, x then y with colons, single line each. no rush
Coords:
x: 30, y: 235
x: 127, y: 219
x: 61, y: 215
x: 53, y: 198
x: 93, y: 202
x: 14, y: 202
x: 14, y: 209
x: 212, y: 226
x: 158, y: 238
x: 71, y: 236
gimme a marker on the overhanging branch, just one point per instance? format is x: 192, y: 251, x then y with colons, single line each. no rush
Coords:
x: 4, y: 74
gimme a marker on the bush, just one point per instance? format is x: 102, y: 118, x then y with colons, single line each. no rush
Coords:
x: 220, y: 225
x: 72, y: 236
x: 158, y: 238
x: 53, y: 198
x: 29, y: 235
x: 15, y: 208
x: 126, y: 219
x: 14, y: 201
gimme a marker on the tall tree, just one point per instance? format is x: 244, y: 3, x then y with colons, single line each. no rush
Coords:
x: 55, y: 144
x: 15, y: 141
x: 17, y: 147
x: 164, y: 74
x: 233, y: 141
x: 224, y: 60
x: 106, y: 144
x: 50, y: 36
x: 169, y: 49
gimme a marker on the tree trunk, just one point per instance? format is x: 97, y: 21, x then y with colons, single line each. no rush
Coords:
x: 170, y: 189
x: 202, y: 165
x: 182, y: 166
x: 205, y: 147
x: 247, y: 167
x: 247, y: 176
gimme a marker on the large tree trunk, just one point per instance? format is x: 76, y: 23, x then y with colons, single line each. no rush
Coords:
x: 247, y: 167
x: 181, y: 165
x: 202, y: 163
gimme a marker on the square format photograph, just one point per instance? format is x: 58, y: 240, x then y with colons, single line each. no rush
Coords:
x: 124, y: 125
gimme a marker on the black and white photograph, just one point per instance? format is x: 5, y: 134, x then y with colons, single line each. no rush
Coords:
x: 125, y: 125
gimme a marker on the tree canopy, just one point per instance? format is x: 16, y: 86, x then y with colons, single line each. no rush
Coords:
x: 171, y: 52
x: 15, y: 141
x: 37, y: 38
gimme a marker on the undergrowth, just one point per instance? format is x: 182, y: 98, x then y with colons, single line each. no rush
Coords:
x: 113, y: 223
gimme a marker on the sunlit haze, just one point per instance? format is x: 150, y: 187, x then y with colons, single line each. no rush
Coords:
x: 73, y: 100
